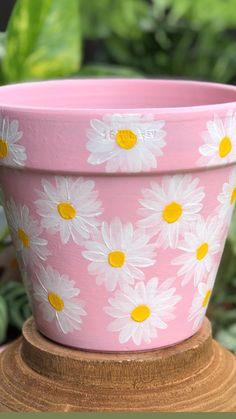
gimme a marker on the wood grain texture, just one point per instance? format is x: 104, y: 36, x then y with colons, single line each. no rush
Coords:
x: 39, y: 375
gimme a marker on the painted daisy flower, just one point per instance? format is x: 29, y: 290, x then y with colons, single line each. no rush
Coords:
x: 169, y: 208
x: 58, y: 300
x: 141, y: 310
x: 117, y: 253
x: 129, y: 142
x: 70, y: 208
x: 227, y: 199
x: 25, y: 233
x: 200, y: 244
x: 220, y: 137
x: 201, y: 299
x: 11, y: 153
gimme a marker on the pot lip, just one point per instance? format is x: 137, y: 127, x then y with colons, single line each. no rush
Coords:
x: 176, y: 110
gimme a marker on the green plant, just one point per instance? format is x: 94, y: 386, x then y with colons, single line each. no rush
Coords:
x: 14, y: 305
x: 40, y: 42
x: 16, y: 309
x: 3, y: 319
x: 222, y: 309
x: 50, y: 38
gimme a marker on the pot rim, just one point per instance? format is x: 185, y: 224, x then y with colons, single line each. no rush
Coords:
x: 7, y: 103
x: 68, y: 134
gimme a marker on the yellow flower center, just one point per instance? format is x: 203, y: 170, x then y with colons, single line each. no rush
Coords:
x: 66, y: 210
x: 3, y: 148
x: 24, y: 238
x: 116, y: 259
x: 56, y: 301
x: 13, y: 263
x: 233, y: 196
x: 225, y: 147
x: 172, y: 212
x: 206, y: 299
x: 126, y: 138
x: 202, y: 250
x: 140, y: 313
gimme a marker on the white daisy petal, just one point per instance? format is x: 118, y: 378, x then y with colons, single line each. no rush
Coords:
x: 25, y: 231
x: 201, y: 300
x: 126, y: 333
x: 219, y: 147
x: 126, y: 142
x: 117, y: 324
x: 173, y: 205
x: 227, y: 199
x: 140, y: 311
x: 70, y: 208
x: 207, y: 150
x: 58, y: 300
x: 11, y: 153
x: 199, y: 248
x: 138, y: 335
x: 117, y: 254
x: 48, y: 311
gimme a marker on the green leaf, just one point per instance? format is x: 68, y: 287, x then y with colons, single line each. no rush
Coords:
x: 3, y: 319
x: 128, y: 17
x: 17, y: 302
x: 125, y: 18
x: 232, y: 233
x: 102, y: 70
x: 2, y: 44
x: 94, y: 23
x: 227, y: 269
x: 2, y: 53
x: 222, y: 14
x: 227, y: 338
x: 43, y: 40
x: 3, y: 224
x: 20, y: 311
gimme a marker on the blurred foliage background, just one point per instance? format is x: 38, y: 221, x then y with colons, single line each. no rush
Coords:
x: 124, y: 38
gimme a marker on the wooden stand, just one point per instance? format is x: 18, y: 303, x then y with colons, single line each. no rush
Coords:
x: 39, y: 375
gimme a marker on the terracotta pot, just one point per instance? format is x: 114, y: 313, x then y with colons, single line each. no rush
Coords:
x: 118, y: 195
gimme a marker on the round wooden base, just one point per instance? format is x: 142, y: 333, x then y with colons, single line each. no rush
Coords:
x: 39, y: 375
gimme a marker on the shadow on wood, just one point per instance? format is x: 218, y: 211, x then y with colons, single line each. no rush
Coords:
x: 39, y: 375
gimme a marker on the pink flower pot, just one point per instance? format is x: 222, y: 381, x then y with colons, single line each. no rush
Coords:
x: 118, y: 194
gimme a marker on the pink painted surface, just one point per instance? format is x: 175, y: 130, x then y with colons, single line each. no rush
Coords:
x: 141, y: 143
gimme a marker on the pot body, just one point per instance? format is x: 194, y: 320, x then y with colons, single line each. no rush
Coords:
x: 118, y: 214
